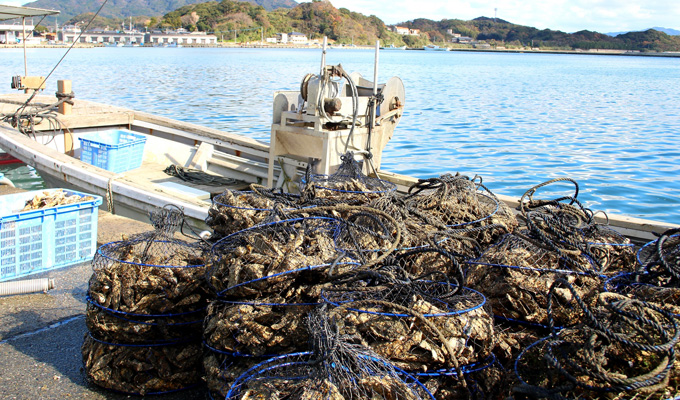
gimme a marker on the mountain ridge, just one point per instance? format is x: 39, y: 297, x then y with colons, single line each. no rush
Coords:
x: 134, y: 8
x: 667, y: 31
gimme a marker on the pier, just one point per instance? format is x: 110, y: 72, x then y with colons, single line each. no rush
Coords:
x: 41, y: 333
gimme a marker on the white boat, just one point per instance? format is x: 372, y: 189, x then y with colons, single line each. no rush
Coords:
x: 393, y: 47
x: 432, y: 47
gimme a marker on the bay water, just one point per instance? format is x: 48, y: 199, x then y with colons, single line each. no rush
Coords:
x: 612, y: 123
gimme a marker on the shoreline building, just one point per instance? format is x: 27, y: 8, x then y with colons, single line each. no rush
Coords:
x: 12, y: 33
x: 70, y: 33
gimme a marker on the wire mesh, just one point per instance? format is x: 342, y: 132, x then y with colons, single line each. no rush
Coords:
x: 418, y: 325
x: 142, y: 369
x: 347, y: 185
x: 233, y: 210
x: 149, y: 287
x: 516, y: 273
x: 334, y: 368
x: 619, y: 345
x: 275, y: 258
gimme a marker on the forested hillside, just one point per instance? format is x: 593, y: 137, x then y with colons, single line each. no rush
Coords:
x: 117, y: 9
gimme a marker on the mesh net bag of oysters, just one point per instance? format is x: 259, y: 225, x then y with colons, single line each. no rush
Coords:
x: 619, y: 348
x: 565, y: 226
x: 657, y: 279
x: 426, y: 324
x: 267, y: 277
x: 462, y: 203
x: 234, y: 210
x: 241, y: 334
x: 347, y: 185
x: 146, y: 304
x: 287, y: 257
x: 333, y: 368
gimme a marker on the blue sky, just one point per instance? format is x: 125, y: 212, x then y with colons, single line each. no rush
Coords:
x: 565, y: 15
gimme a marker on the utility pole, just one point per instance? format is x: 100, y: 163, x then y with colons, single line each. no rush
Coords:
x: 495, y: 12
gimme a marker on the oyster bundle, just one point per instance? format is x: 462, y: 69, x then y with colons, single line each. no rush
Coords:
x: 613, y: 252
x: 232, y: 211
x: 333, y: 369
x: 221, y: 369
x: 463, y: 204
x: 657, y: 280
x: 619, y: 345
x: 262, y: 328
x: 515, y: 276
x: 53, y: 198
x: 427, y: 326
x: 270, y: 259
x: 146, y: 304
x: 348, y: 185
x: 150, y: 369
x: 650, y: 288
x: 146, y: 290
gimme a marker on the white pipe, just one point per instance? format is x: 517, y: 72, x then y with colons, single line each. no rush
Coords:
x: 23, y: 39
x: 375, y: 68
x: 26, y: 286
x: 323, y: 55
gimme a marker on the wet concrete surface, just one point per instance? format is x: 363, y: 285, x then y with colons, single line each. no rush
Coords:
x: 41, y: 333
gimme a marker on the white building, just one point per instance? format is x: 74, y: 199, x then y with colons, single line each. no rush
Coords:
x: 297, y: 38
x: 195, y: 38
x: 401, y: 30
x: 282, y: 38
x: 70, y: 33
x: 12, y: 33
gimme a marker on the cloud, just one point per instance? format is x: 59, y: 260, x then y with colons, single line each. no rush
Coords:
x: 566, y: 15
x: 14, y: 2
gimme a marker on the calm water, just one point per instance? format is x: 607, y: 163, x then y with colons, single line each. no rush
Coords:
x: 612, y: 123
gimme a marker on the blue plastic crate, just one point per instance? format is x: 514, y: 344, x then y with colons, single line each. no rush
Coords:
x: 45, y: 239
x: 116, y: 150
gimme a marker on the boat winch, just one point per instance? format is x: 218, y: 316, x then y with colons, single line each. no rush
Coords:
x: 335, y: 112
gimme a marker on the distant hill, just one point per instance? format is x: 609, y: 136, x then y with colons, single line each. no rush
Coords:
x: 667, y: 31
x: 501, y: 32
x: 315, y: 19
x: 133, y: 8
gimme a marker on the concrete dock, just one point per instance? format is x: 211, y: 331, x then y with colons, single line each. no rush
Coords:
x: 41, y: 333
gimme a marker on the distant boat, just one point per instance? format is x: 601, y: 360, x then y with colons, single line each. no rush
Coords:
x: 432, y: 47
x: 172, y: 44
x: 114, y: 44
x: 393, y: 47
